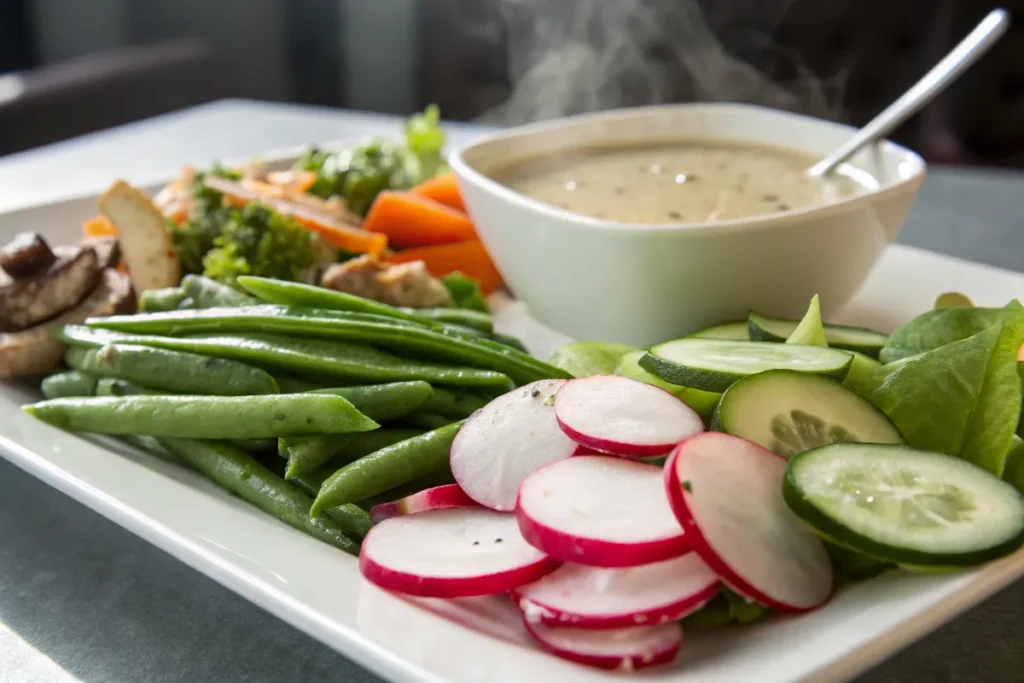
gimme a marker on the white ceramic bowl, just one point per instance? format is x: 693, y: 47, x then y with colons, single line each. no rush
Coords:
x: 641, y: 284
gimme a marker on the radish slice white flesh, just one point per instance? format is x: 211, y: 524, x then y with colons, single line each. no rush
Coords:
x: 625, y: 649
x: 438, y: 497
x: 727, y: 494
x: 451, y: 553
x: 601, y: 511
x: 624, y: 417
x: 506, y: 441
x: 596, y: 598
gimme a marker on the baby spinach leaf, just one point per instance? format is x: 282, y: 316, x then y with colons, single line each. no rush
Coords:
x: 962, y: 398
x: 937, y: 328
x: 809, y: 331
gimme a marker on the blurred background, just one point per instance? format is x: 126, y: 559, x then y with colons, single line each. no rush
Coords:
x: 69, y: 67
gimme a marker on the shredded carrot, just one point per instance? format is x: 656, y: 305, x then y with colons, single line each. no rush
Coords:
x: 98, y: 226
x: 299, y: 181
x: 442, y: 188
x: 469, y: 257
x: 410, y: 220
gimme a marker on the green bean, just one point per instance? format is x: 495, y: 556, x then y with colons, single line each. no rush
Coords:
x: 110, y: 386
x: 166, y: 299
x: 312, y: 455
x: 439, y: 478
x: 297, y: 294
x: 293, y: 384
x: 255, y: 445
x: 209, y: 293
x: 436, y: 344
x: 318, y: 357
x: 240, y: 474
x: 510, y: 341
x: 463, y: 317
x: 454, y: 403
x: 186, y: 373
x: 205, y: 417
x: 424, y: 419
x: 387, y: 468
x: 70, y: 383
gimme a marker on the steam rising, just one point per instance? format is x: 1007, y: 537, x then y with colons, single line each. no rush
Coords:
x: 575, y: 56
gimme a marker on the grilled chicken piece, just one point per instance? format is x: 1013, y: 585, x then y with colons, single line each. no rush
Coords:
x: 402, y: 284
x: 35, y: 352
x: 25, y: 255
x: 26, y: 302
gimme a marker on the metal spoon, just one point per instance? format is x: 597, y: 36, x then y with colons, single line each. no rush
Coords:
x: 942, y: 75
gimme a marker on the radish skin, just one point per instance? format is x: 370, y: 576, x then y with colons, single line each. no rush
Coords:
x: 727, y: 494
x: 622, y: 416
x: 596, y: 598
x: 450, y: 553
x: 625, y: 649
x: 600, y: 511
x: 438, y: 497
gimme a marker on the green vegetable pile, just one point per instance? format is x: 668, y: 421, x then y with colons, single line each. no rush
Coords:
x: 359, y: 174
x: 223, y: 242
x: 301, y: 400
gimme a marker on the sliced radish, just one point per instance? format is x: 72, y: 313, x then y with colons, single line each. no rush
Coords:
x: 627, y: 649
x: 597, y: 598
x: 601, y: 511
x: 436, y: 498
x: 451, y: 553
x: 506, y: 441
x: 624, y: 417
x: 727, y: 493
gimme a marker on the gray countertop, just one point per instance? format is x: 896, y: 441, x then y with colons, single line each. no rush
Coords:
x: 83, y: 600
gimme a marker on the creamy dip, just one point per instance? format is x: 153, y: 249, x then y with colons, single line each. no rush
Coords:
x: 675, y: 181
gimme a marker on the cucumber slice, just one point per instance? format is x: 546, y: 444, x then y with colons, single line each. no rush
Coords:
x: 714, y: 365
x: 914, y: 508
x: 790, y: 412
x: 765, y: 329
x: 736, y: 331
x: 703, y: 402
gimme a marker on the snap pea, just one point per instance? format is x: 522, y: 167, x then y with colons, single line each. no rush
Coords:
x: 70, y: 383
x: 205, y: 417
x: 243, y: 476
x: 310, y: 455
x: 297, y: 294
x: 463, y: 317
x: 387, y: 468
x: 383, y: 402
x: 186, y: 373
x: 318, y: 357
x: 208, y: 293
x: 454, y: 403
x: 424, y: 419
x: 404, y: 340
x: 166, y: 299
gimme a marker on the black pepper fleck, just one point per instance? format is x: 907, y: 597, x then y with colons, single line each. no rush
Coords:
x: 619, y: 190
x: 535, y: 393
x: 675, y: 215
x: 476, y: 542
x: 497, y: 540
x: 783, y: 206
x: 770, y: 197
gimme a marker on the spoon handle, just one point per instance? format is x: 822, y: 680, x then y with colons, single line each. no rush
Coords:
x: 970, y: 49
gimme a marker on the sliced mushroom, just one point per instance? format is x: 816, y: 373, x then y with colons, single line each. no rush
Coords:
x: 26, y: 302
x: 402, y: 284
x: 108, y: 250
x: 36, y: 352
x: 25, y: 255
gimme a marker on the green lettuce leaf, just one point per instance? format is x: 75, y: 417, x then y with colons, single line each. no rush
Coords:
x: 810, y: 331
x: 585, y: 359
x: 962, y: 398
x: 937, y: 328
x: 725, y: 608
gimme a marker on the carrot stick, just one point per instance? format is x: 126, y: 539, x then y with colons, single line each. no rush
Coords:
x: 410, y: 220
x: 469, y: 257
x: 98, y: 226
x: 442, y: 188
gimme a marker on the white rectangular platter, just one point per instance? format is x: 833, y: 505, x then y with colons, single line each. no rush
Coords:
x: 319, y: 590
